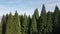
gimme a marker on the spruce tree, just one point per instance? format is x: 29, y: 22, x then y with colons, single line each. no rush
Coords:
x: 59, y: 22
x: 3, y: 21
x: 39, y: 25
x: 56, y: 19
x: 21, y: 21
x: 6, y: 18
x: 17, y: 24
x: 29, y: 26
x: 49, y: 22
x: 10, y: 25
x: 43, y: 24
x: 24, y: 25
x: 34, y: 25
x: 36, y: 15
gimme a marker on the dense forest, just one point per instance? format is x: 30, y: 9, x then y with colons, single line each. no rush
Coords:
x: 45, y: 23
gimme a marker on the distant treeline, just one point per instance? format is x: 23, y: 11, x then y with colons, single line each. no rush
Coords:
x: 46, y: 23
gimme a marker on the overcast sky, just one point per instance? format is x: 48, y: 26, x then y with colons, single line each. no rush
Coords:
x: 26, y: 6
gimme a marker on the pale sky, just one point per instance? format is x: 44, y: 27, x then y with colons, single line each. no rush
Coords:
x: 26, y: 6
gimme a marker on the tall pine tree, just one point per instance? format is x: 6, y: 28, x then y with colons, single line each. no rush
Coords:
x: 3, y: 21
x: 34, y: 25
x: 49, y: 22
x: 24, y: 25
x: 43, y: 24
x: 36, y: 15
x: 29, y: 25
x: 10, y: 25
x: 21, y: 21
x: 17, y: 24
x: 56, y: 20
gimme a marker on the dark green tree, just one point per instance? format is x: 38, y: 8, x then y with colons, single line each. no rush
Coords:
x: 17, y: 24
x: 43, y: 24
x: 59, y: 23
x: 10, y: 25
x: 6, y: 18
x: 34, y: 25
x: 36, y: 15
x: 24, y: 25
x: 29, y: 26
x: 21, y: 21
x: 49, y: 22
x: 56, y: 20
x: 3, y: 21
x: 39, y: 24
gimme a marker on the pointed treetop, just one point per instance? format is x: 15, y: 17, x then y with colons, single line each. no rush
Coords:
x: 25, y: 15
x: 7, y: 14
x: 2, y: 19
x: 16, y: 13
x: 36, y: 13
x: 56, y: 8
x: 43, y: 6
x: 10, y: 13
x: 36, y: 9
x: 43, y: 11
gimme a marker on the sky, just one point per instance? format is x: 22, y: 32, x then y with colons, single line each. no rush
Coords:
x: 26, y: 6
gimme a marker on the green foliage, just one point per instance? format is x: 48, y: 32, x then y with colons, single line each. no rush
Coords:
x: 36, y: 14
x: 21, y: 22
x: 56, y: 15
x: 46, y: 23
x: 3, y: 24
x: 24, y: 25
x: 56, y: 20
x: 13, y: 24
x: 34, y: 25
x: 10, y: 25
x: 43, y: 25
x: 17, y: 24
x: 49, y: 22
x: 29, y: 31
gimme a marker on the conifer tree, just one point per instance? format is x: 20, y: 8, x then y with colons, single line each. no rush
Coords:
x: 29, y: 26
x: 43, y: 24
x: 49, y: 22
x: 10, y: 25
x: 56, y: 20
x: 3, y: 21
x: 17, y: 24
x: 36, y: 15
x: 24, y: 25
x: 6, y: 18
x: 21, y: 21
x: 34, y: 25
x: 59, y: 22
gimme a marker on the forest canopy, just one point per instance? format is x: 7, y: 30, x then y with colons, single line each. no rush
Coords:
x: 43, y: 23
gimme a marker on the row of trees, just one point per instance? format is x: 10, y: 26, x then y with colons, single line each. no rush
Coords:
x: 46, y: 23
